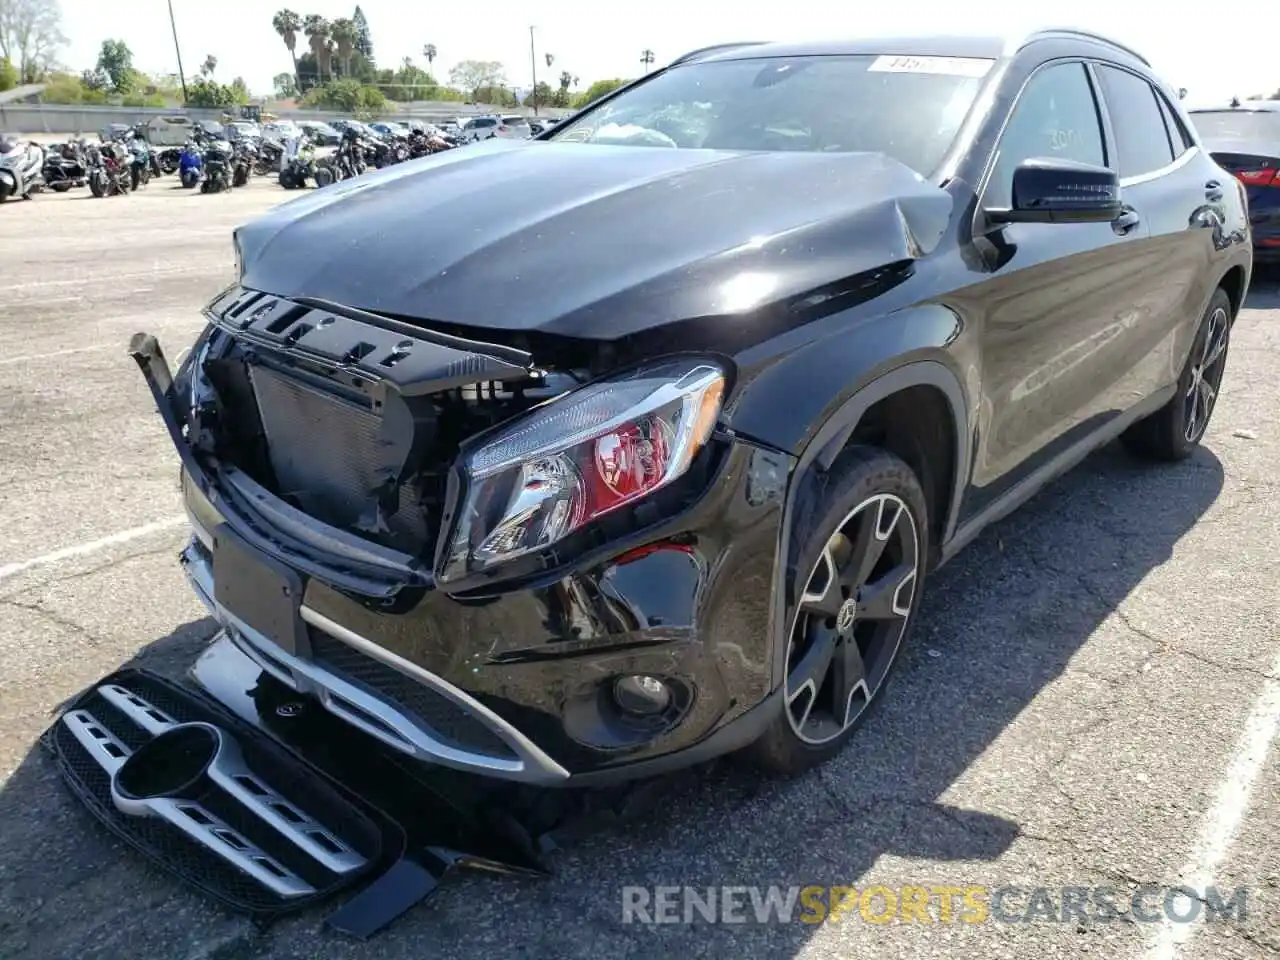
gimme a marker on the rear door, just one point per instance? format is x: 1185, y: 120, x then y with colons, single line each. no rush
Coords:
x: 1177, y: 192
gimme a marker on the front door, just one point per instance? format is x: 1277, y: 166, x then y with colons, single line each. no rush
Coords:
x: 1059, y: 299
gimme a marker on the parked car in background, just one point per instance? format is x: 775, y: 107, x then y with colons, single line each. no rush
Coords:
x: 514, y: 127
x: 480, y: 128
x: 322, y: 133
x: 279, y: 131
x: 388, y: 128
x: 238, y: 130
x: 686, y: 498
x: 1244, y: 138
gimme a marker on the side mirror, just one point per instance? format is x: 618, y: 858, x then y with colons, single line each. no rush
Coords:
x: 1049, y: 190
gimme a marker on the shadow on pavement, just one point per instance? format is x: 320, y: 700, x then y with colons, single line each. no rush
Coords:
x: 999, y: 624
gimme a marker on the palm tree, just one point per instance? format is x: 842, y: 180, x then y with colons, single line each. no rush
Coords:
x: 551, y: 58
x: 288, y: 24
x: 345, y: 35
x: 429, y: 51
x: 316, y: 28
x: 210, y: 64
x: 647, y: 58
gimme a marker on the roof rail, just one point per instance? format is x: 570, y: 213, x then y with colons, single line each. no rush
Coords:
x: 715, y: 48
x: 1084, y: 35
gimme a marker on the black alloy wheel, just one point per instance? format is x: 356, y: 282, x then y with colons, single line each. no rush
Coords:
x: 1208, y: 363
x: 859, y: 540
x: 851, y: 619
x: 1175, y: 430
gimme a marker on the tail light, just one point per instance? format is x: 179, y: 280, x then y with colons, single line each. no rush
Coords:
x: 1260, y: 178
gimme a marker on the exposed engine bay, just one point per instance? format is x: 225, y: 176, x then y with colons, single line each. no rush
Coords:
x: 346, y: 418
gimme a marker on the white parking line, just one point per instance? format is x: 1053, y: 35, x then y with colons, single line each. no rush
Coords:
x: 56, y: 353
x: 111, y: 277
x: 93, y: 546
x: 1223, y: 819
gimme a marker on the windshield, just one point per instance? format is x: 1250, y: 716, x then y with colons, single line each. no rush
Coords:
x: 1237, y: 124
x: 907, y: 107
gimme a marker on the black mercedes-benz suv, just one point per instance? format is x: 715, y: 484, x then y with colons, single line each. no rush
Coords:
x: 577, y: 458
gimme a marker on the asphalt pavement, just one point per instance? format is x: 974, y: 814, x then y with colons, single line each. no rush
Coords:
x: 1089, y: 702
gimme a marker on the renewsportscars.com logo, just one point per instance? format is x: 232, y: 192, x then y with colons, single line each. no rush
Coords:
x: 933, y: 904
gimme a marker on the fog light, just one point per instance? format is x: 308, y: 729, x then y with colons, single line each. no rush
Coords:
x: 641, y: 696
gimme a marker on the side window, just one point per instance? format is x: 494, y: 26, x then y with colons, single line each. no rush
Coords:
x: 1142, y: 141
x: 1177, y: 132
x: 1055, y: 116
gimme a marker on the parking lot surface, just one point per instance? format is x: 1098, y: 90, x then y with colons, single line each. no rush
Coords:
x: 1088, y: 701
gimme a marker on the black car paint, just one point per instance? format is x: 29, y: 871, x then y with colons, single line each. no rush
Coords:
x: 536, y: 208
x: 989, y: 317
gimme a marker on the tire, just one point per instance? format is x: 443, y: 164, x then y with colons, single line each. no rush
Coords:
x: 241, y: 177
x: 324, y: 177
x: 1175, y: 430
x: 96, y: 185
x: 287, y: 180
x: 836, y: 624
x: 60, y: 187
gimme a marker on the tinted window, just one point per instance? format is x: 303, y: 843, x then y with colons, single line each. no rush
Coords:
x: 1056, y: 117
x: 1237, y: 124
x: 1177, y: 133
x: 1142, y: 142
x: 907, y: 107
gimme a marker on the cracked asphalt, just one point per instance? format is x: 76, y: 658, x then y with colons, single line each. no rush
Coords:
x: 1084, y: 678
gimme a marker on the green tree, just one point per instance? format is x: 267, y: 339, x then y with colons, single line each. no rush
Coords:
x: 596, y: 91
x: 285, y: 85
x: 561, y: 97
x: 543, y: 93
x: 316, y: 28
x: 96, y: 79
x: 348, y: 96
x: 209, y: 66
x: 204, y: 92
x: 345, y: 35
x: 494, y: 95
x: 473, y: 75
x: 240, y: 89
x: 30, y: 36
x: 115, y: 59
x: 288, y: 25
x: 8, y: 75
x: 364, y: 42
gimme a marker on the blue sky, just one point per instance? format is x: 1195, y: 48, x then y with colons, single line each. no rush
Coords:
x: 594, y: 40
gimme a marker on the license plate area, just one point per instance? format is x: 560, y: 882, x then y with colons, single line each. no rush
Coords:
x: 257, y: 590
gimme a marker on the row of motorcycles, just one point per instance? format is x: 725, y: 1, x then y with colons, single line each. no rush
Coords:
x: 356, y: 153
x: 114, y: 166
x: 125, y: 161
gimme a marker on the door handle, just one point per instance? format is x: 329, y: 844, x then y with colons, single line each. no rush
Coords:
x: 1213, y: 190
x: 1126, y: 222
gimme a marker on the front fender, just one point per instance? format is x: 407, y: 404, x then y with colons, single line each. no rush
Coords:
x: 809, y: 401
x: 793, y: 394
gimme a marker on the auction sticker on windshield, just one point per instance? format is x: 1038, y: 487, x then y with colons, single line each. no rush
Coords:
x: 949, y: 66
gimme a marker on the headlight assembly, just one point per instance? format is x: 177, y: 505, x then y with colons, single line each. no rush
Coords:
x: 580, y: 457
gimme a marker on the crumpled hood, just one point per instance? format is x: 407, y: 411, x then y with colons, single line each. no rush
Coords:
x: 592, y: 241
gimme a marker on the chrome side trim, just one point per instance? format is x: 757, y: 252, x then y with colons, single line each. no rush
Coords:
x: 369, y: 712
x: 101, y: 744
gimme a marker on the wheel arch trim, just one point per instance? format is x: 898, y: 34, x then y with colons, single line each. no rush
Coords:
x: 826, y: 445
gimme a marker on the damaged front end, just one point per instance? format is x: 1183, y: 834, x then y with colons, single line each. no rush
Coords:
x: 361, y: 491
